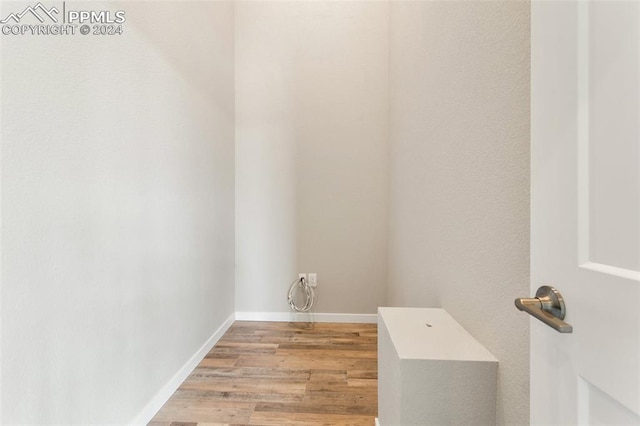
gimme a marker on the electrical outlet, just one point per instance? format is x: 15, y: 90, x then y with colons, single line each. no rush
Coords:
x: 302, y: 276
x: 313, y: 280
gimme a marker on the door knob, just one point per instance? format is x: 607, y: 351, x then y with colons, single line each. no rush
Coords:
x: 548, y: 307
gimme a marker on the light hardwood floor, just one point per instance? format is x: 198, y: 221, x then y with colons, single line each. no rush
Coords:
x: 278, y: 373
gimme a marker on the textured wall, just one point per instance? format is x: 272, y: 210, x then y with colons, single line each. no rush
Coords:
x: 311, y: 152
x: 459, y: 152
x: 117, y: 209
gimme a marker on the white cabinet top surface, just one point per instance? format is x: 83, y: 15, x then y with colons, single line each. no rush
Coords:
x: 429, y: 333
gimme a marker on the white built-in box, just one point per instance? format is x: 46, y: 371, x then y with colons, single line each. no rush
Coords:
x: 431, y: 371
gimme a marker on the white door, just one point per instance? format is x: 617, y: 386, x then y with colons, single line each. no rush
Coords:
x: 585, y: 201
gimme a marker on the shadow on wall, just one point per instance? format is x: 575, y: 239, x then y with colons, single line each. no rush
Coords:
x: 169, y: 32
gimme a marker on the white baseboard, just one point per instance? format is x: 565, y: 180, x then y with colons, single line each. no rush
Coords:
x: 172, y: 385
x: 306, y: 317
x: 377, y: 422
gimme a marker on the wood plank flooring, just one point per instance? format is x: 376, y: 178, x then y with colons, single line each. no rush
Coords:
x: 278, y: 373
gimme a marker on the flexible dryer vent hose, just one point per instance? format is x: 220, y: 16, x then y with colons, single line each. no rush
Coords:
x: 301, y: 285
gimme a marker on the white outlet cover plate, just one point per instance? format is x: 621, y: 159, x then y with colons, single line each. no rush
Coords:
x: 313, y: 280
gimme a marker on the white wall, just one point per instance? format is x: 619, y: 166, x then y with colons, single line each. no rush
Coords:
x: 459, y: 152
x: 117, y: 209
x: 311, y: 152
